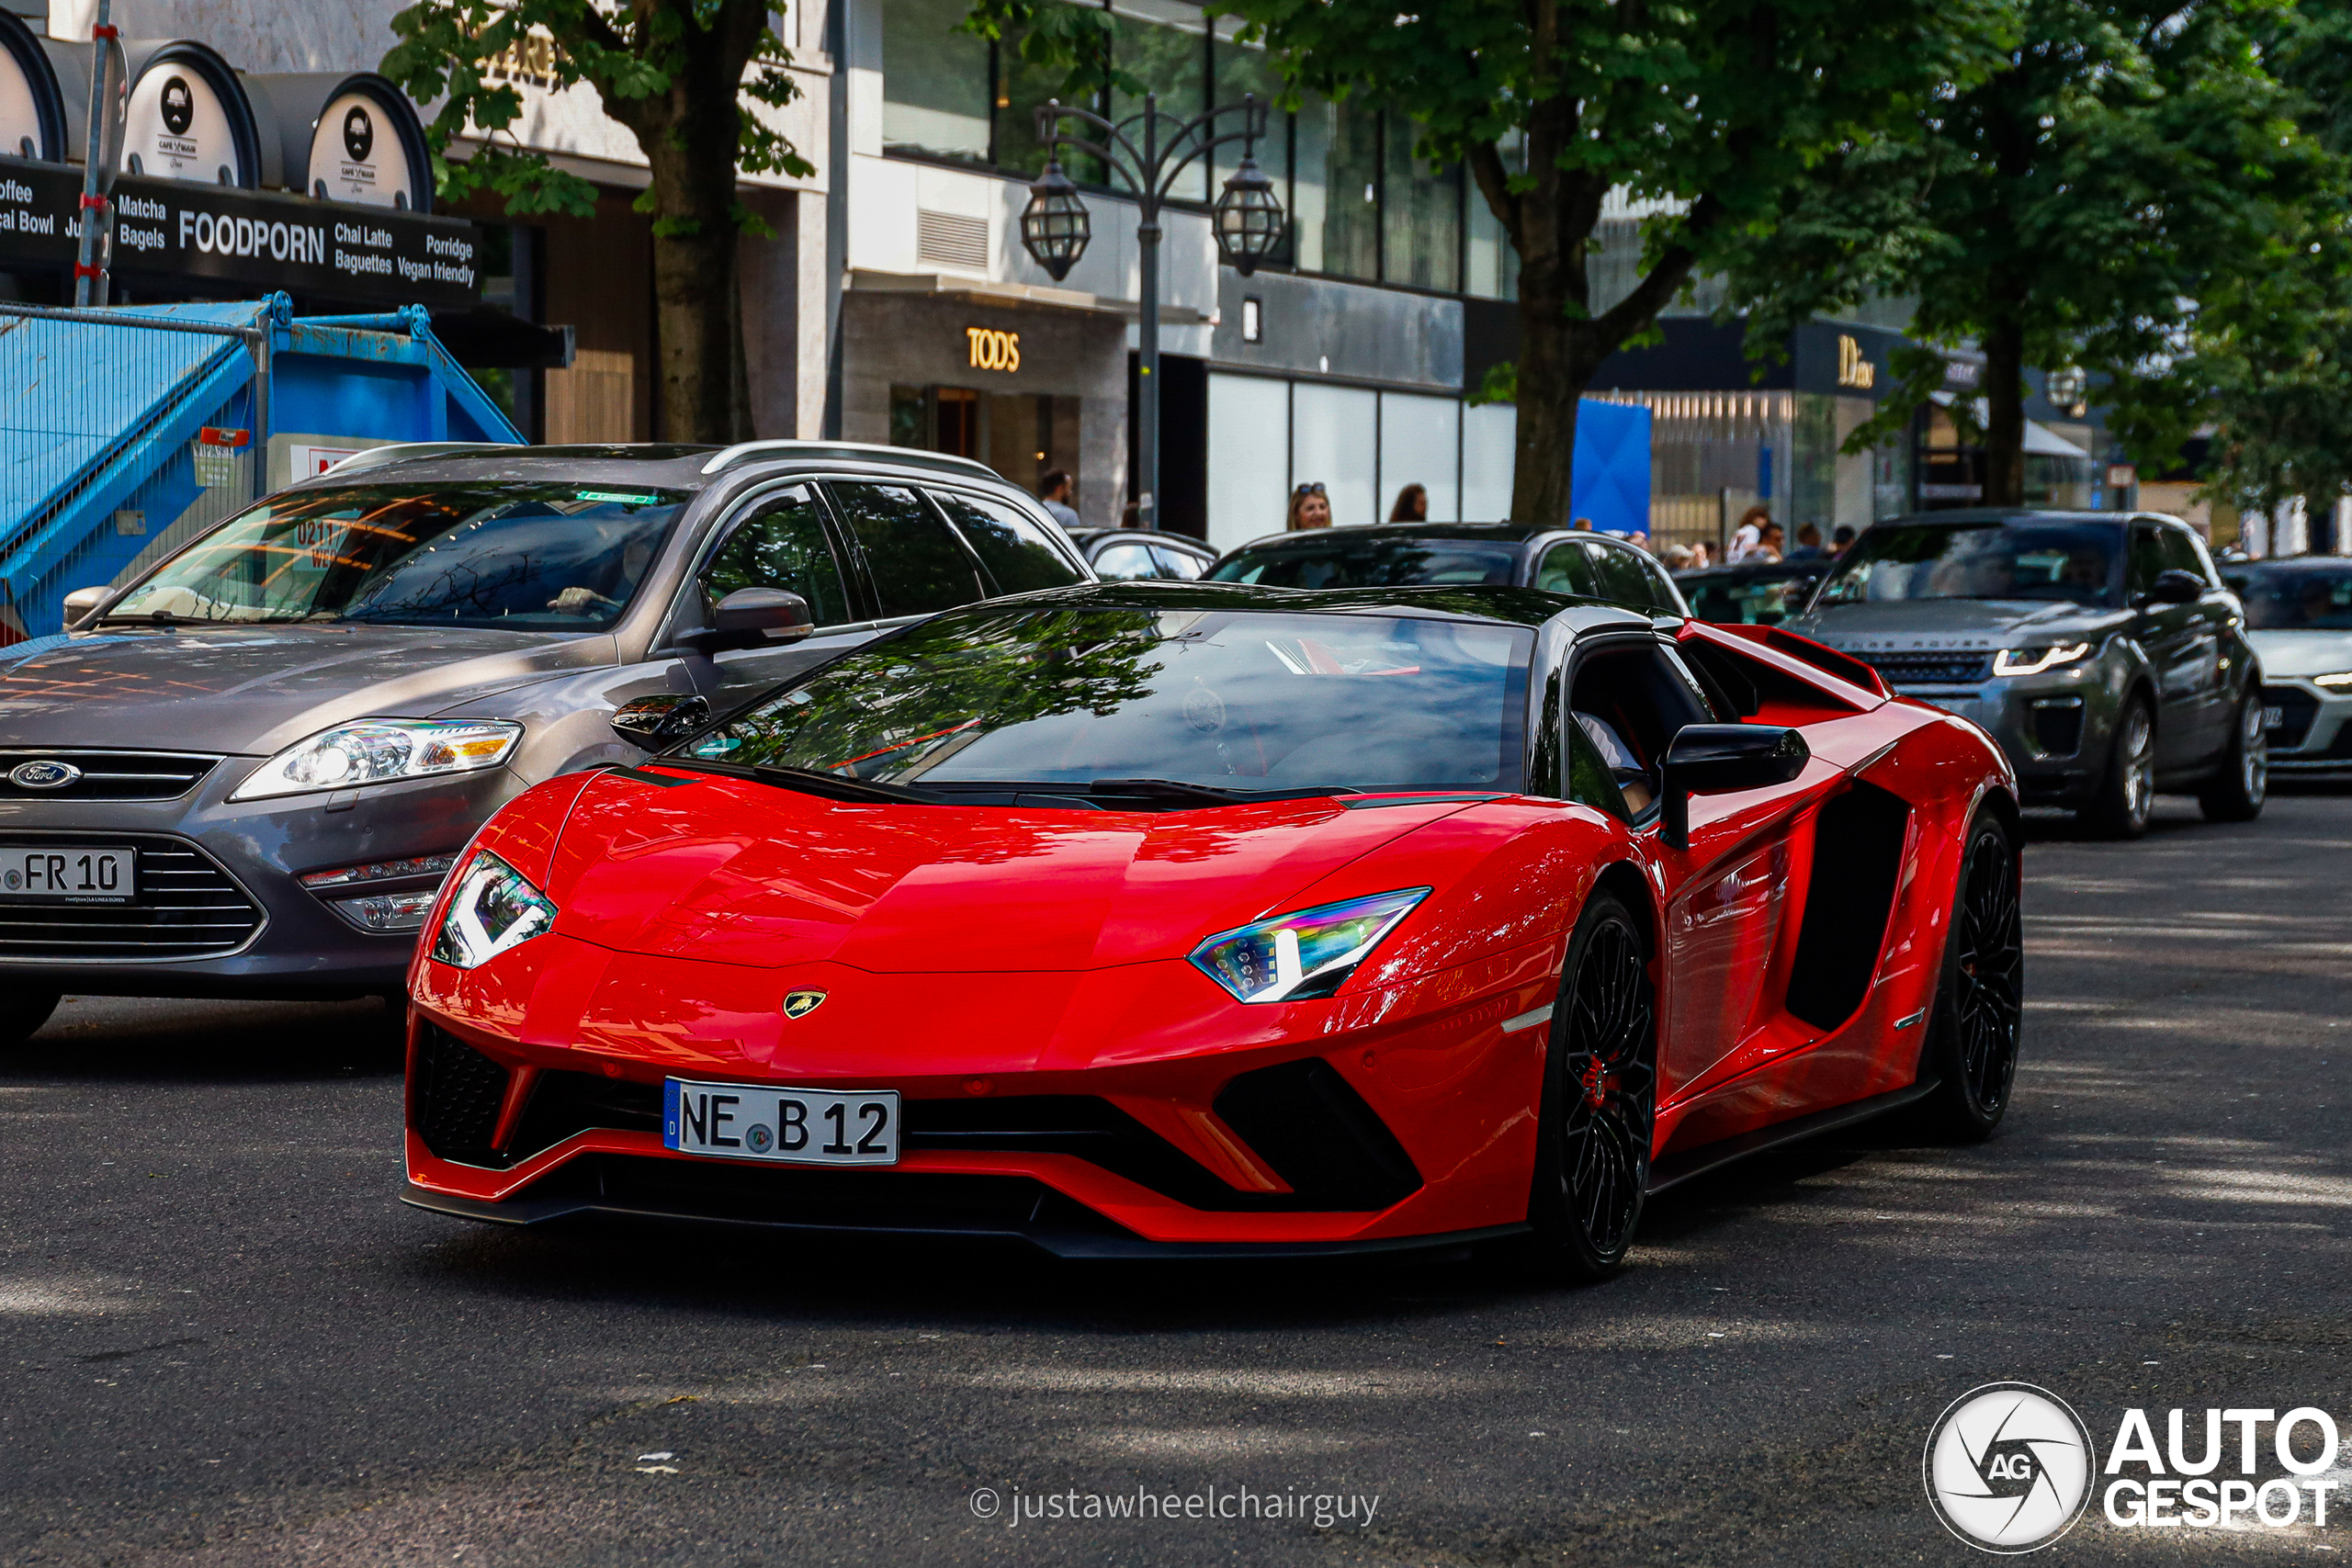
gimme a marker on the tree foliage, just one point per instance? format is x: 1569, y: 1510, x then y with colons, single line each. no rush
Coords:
x: 2129, y: 164
x: 687, y: 78
x: 1706, y: 114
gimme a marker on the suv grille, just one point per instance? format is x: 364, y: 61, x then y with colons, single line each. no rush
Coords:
x: 108, y: 776
x: 185, y: 906
x: 1958, y: 668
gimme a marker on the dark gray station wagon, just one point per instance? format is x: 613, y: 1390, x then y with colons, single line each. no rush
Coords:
x: 248, y: 773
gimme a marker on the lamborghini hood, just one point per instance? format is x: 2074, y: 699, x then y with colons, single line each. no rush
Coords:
x: 735, y: 872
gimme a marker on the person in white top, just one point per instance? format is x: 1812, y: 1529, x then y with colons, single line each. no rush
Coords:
x: 1748, y: 537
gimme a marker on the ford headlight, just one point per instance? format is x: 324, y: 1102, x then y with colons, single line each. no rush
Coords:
x: 1306, y: 953
x: 2035, y: 661
x: 494, y: 910
x: 2337, y: 682
x: 377, y: 751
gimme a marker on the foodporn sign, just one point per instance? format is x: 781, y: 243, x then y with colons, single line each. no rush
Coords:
x: 168, y: 231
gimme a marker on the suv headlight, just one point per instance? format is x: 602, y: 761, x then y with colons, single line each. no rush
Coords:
x: 1306, y: 953
x: 2035, y: 661
x: 377, y: 751
x: 494, y: 910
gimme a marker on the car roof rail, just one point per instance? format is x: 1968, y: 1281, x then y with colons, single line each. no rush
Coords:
x: 400, y: 451
x: 862, y: 451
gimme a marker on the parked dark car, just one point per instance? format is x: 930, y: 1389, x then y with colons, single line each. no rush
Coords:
x: 1126, y: 555
x: 2100, y: 649
x: 1393, y: 555
x: 1763, y: 593
x: 247, y: 774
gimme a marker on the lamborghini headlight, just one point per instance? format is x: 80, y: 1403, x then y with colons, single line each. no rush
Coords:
x: 494, y: 910
x: 377, y: 751
x: 2035, y: 661
x: 1306, y: 953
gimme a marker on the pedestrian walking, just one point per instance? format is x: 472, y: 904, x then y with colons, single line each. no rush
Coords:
x: 1053, y: 489
x: 1678, y: 558
x: 1808, y: 544
x: 1841, y: 539
x: 1701, y: 557
x: 1412, y: 505
x: 1310, y: 507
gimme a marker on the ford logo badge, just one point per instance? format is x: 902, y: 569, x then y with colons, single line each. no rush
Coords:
x: 43, y: 774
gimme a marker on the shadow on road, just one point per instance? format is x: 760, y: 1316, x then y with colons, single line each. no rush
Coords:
x: 182, y: 1040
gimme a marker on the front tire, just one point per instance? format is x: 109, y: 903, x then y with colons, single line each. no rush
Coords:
x: 1972, y: 1048
x: 2128, y: 794
x: 1599, y: 1101
x: 22, y: 1013
x: 2237, y: 789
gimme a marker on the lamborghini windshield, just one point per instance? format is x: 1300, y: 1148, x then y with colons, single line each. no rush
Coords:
x: 1238, y: 702
x: 2070, y: 562
x: 520, y: 557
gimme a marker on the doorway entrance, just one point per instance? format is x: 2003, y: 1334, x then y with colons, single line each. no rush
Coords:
x: 1019, y: 434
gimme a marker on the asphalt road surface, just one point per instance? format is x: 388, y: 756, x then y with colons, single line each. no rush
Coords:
x: 223, y: 1340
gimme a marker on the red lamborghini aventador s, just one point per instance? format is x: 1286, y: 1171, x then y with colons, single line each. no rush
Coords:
x: 1199, y: 920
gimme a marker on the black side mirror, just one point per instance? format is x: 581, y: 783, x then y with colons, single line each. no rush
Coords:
x: 1718, y: 759
x: 750, y: 616
x: 654, y: 723
x: 2177, y: 588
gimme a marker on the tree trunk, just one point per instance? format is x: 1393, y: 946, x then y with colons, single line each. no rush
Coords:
x: 2005, y: 414
x: 1549, y: 386
x: 698, y: 328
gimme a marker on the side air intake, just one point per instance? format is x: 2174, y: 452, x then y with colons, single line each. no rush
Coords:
x: 1857, y: 857
x: 1317, y: 1132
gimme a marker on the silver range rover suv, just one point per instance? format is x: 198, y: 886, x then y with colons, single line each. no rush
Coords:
x: 2100, y: 648
x: 246, y: 773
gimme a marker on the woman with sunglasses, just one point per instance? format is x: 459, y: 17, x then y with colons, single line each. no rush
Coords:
x: 1309, y: 507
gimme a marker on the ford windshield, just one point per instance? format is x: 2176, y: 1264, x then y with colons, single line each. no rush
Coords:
x: 1218, y: 703
x: 519, y: 557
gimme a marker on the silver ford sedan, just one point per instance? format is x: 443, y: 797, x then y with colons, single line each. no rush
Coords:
x: 246, y: 773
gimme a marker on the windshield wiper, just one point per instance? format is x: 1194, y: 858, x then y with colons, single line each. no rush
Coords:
x: 831, y: 786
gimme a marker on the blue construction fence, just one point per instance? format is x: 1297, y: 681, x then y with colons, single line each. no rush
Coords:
x: 127, y: 431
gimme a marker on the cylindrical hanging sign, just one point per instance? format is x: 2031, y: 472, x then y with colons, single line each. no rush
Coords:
x: 188, y: 119
x: 370, y: 150
x: 32, y: 109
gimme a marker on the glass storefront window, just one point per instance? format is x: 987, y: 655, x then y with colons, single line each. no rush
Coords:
x: 1338, y: 160
x: 1165, y: 42
x: 1244, y: 68
x: 1492, y: 260
x: 1020, y: 88
x: 934, y: 81
x: 1421, y: 215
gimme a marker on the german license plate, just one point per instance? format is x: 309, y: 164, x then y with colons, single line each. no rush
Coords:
x: 791, y: 1126
x: 60, y: 874
x: 2274, y: 718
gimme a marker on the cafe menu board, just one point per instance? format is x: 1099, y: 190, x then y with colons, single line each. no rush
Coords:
x: 171, y: 230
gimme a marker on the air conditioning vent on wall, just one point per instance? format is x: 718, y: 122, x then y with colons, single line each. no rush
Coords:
x: 952, y: 239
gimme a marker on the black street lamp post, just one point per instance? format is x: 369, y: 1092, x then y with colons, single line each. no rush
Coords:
x: 1055, y: 227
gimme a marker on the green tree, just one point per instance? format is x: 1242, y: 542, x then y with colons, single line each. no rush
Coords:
x: 1707, y: 111
x: 2275, y: 344
x: 2129, y: 163
x: 687, y: 78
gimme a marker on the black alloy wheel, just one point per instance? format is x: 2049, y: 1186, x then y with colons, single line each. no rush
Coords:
x: 2239, y: 787
x: 1980, y: 1006
x: 1592, y: 1155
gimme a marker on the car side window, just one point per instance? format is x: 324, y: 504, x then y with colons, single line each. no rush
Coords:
x: 1180, y: 564
x: 1124, y: 563
x: 1564, y: 569
x: 1589, y: 782
x: 1014, y: 549
x: 780, y: 545
x: 2147, y: 559
x: 1631, y: 700
x: 1620, y: 575
x: 1664, y: 600
x: 2180, y: 553
x: 918, y: 567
